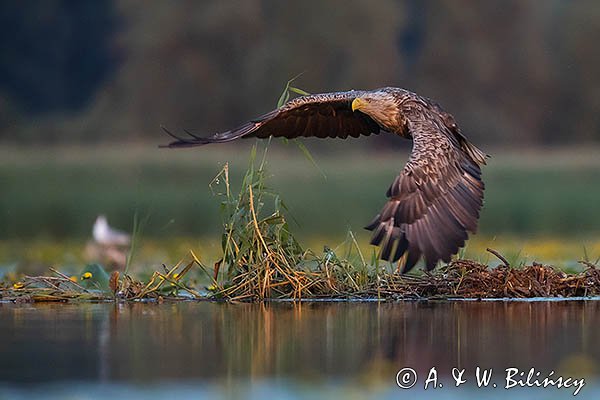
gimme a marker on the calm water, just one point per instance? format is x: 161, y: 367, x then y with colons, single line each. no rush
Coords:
x: 310, y: 350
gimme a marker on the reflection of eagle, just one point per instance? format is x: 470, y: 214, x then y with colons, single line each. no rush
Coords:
x: 436, y: 198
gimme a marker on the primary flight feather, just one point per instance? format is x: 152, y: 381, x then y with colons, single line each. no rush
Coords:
x: 436, y: 198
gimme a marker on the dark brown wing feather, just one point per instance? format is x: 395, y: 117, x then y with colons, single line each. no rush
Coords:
x: 319, y: 115
x: 437, y: 197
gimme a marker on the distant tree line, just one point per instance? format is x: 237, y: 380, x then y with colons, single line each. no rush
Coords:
x: 56, y: 55
x: 511, y: 71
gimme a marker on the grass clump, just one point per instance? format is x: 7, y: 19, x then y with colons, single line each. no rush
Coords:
x: 261, y: 257
x: 256, y: 242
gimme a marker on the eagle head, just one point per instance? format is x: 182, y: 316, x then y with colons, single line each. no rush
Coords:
x: 381, y: 106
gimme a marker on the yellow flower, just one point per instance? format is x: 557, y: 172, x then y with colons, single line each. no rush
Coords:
x: 86, y: 275
x: 18, y: 285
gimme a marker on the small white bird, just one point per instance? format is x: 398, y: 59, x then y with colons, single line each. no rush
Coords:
x: 107, y: 236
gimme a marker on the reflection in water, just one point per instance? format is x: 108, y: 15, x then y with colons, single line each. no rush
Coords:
x: 310, y: 343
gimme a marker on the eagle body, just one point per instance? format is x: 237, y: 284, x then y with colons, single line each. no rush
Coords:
x: 435, y: 200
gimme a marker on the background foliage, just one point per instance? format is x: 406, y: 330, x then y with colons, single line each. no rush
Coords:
x: 104, y: 70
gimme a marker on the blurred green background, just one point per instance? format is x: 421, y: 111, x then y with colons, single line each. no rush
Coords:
x: 85, y: 86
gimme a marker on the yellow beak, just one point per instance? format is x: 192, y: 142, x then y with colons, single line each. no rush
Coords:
x: 356, y: 103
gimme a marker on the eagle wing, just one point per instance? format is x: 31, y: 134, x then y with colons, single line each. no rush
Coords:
x: 436, y: 198
x: 319, y: 115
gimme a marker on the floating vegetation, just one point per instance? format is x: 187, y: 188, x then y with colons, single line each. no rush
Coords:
x: 99, y: 286
x: 330, y: 278
x: 465, y: 279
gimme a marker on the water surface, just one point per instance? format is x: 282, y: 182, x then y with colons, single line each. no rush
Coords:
x: 291, y: 350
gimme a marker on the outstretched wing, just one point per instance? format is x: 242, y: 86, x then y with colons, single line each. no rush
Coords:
x: 437, y: 197
x: 320, y: 115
